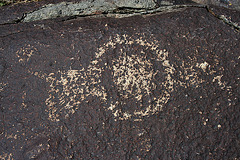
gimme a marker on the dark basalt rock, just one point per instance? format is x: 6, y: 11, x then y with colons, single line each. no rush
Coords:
x: 231, y: 4
x: 153, y: 86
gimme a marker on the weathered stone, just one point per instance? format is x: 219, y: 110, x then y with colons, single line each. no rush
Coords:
x: 147, y: 4
x: 154, y: 86
x: 89, y: 7
x: 233, y: 4
x: 54, y: 9
x: 70, y: 9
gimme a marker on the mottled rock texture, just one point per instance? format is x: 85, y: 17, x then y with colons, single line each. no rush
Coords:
x: 153, y: 86
x: 232, y: 4
x: 49, y: 9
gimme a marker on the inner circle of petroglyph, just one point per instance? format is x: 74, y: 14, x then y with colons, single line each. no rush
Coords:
x: 135, y: 81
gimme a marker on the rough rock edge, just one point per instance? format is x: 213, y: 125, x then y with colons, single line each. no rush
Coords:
x: 224, y: 19
x: 87, y: 8
x: 230, y: 4
x: 67, y: 9
x: 115, y: 8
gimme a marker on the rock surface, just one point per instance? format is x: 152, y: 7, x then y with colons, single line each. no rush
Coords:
x: 163, y: 85
x: 49, y: 9
x: 232, y: 4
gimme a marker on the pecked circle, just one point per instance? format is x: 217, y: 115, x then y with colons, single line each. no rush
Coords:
x: 134, y: 76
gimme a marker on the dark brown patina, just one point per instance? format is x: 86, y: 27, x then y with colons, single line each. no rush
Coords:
x: 159, y: 86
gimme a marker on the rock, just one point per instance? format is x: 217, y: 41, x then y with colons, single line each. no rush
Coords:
x: 39, y: 11
x: 157, y: 85
x: 1, y: 69
x: 233, y: 4
x: 2, y: 66
x: 85, y: 8
x: 147, y: 4
x: 69, y: 9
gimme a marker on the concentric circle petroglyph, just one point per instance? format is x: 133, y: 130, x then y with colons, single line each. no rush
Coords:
x: 134, y: 76
x: 139, y: 70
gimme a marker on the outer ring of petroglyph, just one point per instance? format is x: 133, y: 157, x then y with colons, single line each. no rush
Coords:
x: 136, y: 82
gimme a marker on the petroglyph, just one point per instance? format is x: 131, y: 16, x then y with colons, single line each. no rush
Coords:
x: 2, y: 86
x: 6, y: 156
x: 72, y: 88
x: 203, y: 66
x: 25, y: 53
x: 133, y: 73
x: 127, y: 76
x: 220, y: 83
x: 37, y: 150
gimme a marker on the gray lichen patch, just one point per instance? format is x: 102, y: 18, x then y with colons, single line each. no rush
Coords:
x: 84, y: 8
x: 147, y: 4
x: 69, y: 9
x: 110, y: 8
